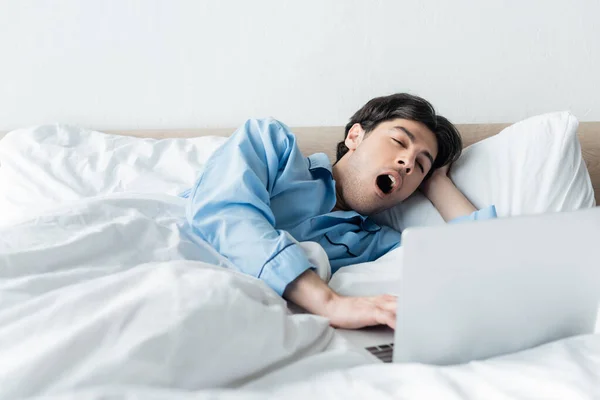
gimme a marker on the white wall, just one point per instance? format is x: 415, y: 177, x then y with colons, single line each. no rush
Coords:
x: 183, y: 64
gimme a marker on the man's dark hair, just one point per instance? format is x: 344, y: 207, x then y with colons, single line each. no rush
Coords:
x: 406, y: 106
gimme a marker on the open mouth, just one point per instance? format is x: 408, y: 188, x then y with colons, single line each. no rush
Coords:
x: 386, y: 183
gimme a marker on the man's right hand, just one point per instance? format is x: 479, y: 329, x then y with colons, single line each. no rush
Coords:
x: 358, y: 312
x: 311, y: 293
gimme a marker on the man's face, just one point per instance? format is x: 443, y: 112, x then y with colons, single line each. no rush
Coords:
x: 384, y: 167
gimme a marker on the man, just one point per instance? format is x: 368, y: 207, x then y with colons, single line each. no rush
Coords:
x: 258, y: 195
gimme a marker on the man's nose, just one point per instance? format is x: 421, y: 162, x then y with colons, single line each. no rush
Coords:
x: 408, y: 164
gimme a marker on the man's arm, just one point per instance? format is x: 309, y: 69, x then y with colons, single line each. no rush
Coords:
x: 450, y: 202
x: 311, y: 293
x: 229, y: 208
x: 229, y: 205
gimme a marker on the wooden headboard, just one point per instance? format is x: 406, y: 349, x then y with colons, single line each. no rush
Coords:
x: 324, y: 139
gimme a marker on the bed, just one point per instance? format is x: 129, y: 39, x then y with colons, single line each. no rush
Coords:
x: 111, y: 297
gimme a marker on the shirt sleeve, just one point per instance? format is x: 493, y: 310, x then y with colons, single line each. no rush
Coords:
x: 484, y: 213
x: 229, y: 205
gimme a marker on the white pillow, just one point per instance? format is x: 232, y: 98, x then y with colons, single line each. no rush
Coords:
x: 44, y: 166
x: 534, y: 166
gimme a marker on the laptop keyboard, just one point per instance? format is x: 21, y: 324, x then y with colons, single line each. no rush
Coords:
x: 384, y: 352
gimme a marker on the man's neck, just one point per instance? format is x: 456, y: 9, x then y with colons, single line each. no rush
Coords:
x: 340, y: 205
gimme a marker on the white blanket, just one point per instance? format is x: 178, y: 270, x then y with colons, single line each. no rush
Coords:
x: 113, y: 297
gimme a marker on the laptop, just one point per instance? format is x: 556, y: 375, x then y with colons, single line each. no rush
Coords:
x: 472, y: 291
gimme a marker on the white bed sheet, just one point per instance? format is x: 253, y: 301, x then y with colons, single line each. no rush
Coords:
x: 568, y: 369
x: 112, y: 297
x: 43, y: 166
x: 114, y: 290
x: 108, y: 295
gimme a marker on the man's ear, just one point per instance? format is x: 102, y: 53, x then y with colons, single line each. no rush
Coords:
x: 356, y: 134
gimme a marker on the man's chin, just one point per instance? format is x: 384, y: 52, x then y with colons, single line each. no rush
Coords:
x: 374, y: 209
x: 367, y: 209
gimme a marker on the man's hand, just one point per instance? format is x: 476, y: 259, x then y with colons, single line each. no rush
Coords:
x: 437, y: 178
x: 311, y: 293
x: 441, y: 172
x: 445, y: 196
x: 358, y: 312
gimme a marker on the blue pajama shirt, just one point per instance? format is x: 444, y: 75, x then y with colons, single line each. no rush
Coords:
x: 257, y: 196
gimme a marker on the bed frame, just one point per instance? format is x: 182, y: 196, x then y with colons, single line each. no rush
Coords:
x: 324, y: 139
